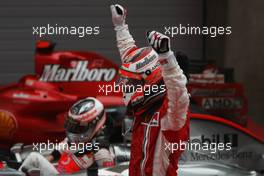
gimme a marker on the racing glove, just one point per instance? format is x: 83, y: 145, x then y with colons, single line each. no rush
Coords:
x: 161, y: 44
x: 118, y: 15
x: 125, y: 41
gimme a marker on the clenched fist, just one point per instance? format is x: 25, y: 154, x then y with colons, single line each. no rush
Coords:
x: 118, y: 15
x: 159, y: 42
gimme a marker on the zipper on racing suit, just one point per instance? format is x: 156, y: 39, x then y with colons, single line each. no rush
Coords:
x: 144, y: 148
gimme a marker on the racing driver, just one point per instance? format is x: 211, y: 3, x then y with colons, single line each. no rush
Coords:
x: 84, y: 124
x: 154, y: 90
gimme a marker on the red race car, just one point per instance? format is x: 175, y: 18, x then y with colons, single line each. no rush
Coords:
x: 33, y: 109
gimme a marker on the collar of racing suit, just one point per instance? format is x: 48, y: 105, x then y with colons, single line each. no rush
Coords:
x: 147, y: 113
x: 150, y: 104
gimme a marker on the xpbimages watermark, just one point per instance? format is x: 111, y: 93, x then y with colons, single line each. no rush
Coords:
x: 212, y: 31
x: 212, y: 147
x: 62, y: 146
x: 116, y: 88
x: 56, y: 29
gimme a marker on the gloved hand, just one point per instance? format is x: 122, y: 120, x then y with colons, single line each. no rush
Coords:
x: 159, y: 42
x: 118, y: 15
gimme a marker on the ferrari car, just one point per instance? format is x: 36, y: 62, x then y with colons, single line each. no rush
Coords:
x: 33, y: 109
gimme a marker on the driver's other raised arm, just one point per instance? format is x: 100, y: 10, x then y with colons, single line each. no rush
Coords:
x: 177, y: 93
x: 175, y: 81
x: 125, y: 41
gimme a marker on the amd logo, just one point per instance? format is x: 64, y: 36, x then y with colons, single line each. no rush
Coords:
x: 55, y: 73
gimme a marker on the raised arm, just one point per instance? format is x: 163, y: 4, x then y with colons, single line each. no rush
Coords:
x: 175, y: 81
x: 125, y: 41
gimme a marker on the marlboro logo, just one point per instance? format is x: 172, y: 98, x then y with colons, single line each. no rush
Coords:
x: 56, y: 73
x: 145, y: 62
